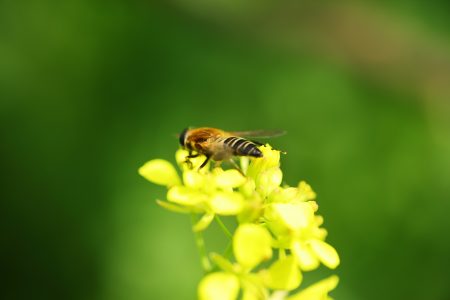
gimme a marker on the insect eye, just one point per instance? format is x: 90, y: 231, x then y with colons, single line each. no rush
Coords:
x: 183, y: 137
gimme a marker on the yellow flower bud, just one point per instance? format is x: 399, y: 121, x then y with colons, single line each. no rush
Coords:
x: 305, y: 192
x: 270, y: 159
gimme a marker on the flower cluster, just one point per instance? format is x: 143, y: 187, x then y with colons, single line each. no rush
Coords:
x: 269, y: 216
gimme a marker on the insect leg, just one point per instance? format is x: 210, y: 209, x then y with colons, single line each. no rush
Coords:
x: 187, y: 160
x: 189, y: 163
x: 205, y: 162
x: 237, y: 167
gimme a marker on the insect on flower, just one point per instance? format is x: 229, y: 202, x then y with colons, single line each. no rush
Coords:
x: 220, y: 145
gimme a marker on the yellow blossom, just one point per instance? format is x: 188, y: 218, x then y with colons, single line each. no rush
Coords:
x: 269, y: 216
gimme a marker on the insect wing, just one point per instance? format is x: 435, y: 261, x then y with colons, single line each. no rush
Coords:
x: 259, y: 133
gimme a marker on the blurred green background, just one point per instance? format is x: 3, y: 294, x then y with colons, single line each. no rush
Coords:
x: 90, y: 90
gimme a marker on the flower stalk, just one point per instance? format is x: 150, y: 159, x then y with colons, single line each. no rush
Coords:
x: 200, y: 243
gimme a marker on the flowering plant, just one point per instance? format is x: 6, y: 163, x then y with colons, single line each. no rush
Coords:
x: 270, y: 218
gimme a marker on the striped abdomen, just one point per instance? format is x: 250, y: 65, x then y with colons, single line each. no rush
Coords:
x: 243, y: 147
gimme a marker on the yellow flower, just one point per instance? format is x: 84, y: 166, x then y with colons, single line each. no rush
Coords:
x: 296, y: 228
x: 208, y: 192
x: 269, y: 216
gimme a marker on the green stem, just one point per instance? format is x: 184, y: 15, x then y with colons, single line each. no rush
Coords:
x: 200, y: 242
x: 228, y: 250
x: 224, y: 228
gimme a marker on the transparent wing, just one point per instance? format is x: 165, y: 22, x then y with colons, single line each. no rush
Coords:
x: 258, y: 133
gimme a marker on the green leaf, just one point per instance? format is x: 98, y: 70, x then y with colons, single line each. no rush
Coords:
x: 251, y: 245
x: 160, y: 171
x: 284, y: 274
x: 218, y: 286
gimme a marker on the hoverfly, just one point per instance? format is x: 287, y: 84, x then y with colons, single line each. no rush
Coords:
x: 220, y: 145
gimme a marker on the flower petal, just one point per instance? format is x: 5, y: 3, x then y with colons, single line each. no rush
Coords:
x: 245, y: 161
x: 248, y: 188
x: 305, y: 258
x: 283, y: 195
x: 185, y: 196
x: 253, y: 288
x: 317, y: 291
x: 325, y: 253
x: 252, y: 245
x: 218, y: 286
x: 193, y: 179
x: 269, y: 180
x: 284, y: 274
x: 160, y: 171
x: 230, y: 179
x: 293, y: 216
x: 227, y: 203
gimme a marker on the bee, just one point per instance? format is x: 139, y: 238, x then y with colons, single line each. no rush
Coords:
x: 220, y: 145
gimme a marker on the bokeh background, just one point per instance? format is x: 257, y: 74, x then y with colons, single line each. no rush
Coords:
x: 90, y: 90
